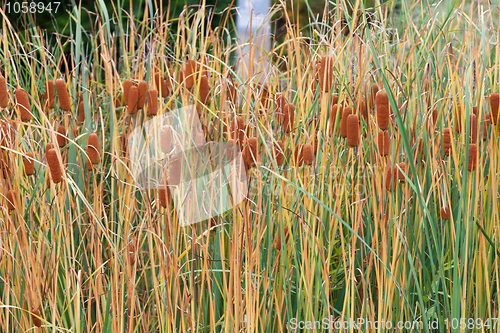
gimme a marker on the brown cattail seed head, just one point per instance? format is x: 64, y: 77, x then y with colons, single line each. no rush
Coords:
x: 62, y: 95
x: 307, y: 154
x: 189, y: 73
x: 81, y: 112
x: 126, y: 88
x: 35, y: 314
x: 494, y: 103
x: 472, y: 163
x: 343, y: 124
x: 473, y: 128
x: 475, y: 109
x: 93, y: 148
x: 373, y: 93
x: 401, y: 177
x: 11, y: 200
x: 23, y: 104
x: 54, y: 165
x: 165, y: 196
x: 142, y: 92
x: 4, y: 93
x: 29, y: 164
x: 279, y: 150
x: 288, y: 117
x: 325, y: 73
x: 174, y: 170
x: 382, y: 109
x: 390, y: 183
x: 133, y: 99
x: 152, y: 102
x: 250, y: 152
x: 51, y: 94
x: 446, y: 141
x: 434, y: 116
x: 204, y: 90
x: 166, y: 139
x: 353, y: 135
x: 238, y: 129
x: 445, y: 213
x: 61, y: 134
x: 384, y: 143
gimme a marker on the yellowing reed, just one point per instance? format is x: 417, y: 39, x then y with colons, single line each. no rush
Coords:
x: 333, y: 117
x: 62, y: 95
x: 54, y: 164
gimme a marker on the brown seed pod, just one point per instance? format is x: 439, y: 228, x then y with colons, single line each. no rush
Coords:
x: 382, y: 109
x: 81, y: 112
x: 475, y: 109
x: 279, y: 149
x: 390, y: 179
x: 371, y: 99
x: 446, y: 141
x: 204, y: 90
x: 333, y: 118
x: 165, y: 196
x: 472, y: 163
x: 174, y: 170
x: 434, y: 116
x: 54, y: 165
x: 152, y: 102
x: 494, y: 103
x: 48, y: 146
x: 288, y: 117
x: 35, y: 317
x: 126, y: 88
x: 23, y: 104
x: 62, y: 95
x: 334, y: 100
x: 166, y: 139
x: 4, y: 165
x: 123, y: 143
x: 250, y: 152
x: 473, y: 128
x: 93, y: 148
x: 400, y: 176
x: 29, y: 164
x: 384, y: 143
x: 343, y: 123
x: 325, y: 73
x: 307, y: 154
x: 445, y: 212
x: 142, y: 92
x: 189, y: 73
x: 51, y: 94
x: 11, y: 200
x: 278, y: 239
x: 133, y: 99
x: 238, y: 130
x: 62, y: 139
x: 4, y: 93
x: 353, y: 134
x: 298, y: 157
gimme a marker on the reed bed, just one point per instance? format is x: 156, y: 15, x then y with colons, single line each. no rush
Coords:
x: 369, y: 192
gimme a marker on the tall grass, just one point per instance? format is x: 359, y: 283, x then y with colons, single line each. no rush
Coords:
x: 346, y: 233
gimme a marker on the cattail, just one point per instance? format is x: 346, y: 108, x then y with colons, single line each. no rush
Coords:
x: 458, y: 118
x: 494, y: 103
x: 199, y: 139
x: 62, y: 139
x: 334, y: 100
x: 474, y: 110
x: 325, y: 75
x: 152, y: 102
x: 445, y: 212
x: 353, y: 135
x: 400, y: 175
x: 54, y: 165
x: 361, y: 107
x: 35, y: 317
x: 278, y: 150
x: 288, y: 117
x: 123, y: 143
x: 133, y: 99
x: 4, y: 165
x: 81, y: 112
x: 48, y: 146
x: 250, y: 152
x: 373, y: 92
x: 384, y: 143
x: 382, y: 109
x: 315, y: 143
x: 471, y: 166
x: 189, y: 73
x: 343, y: 123
x: 279, y: 101
x: 238, y: 129
x: 165, y: 196
x: 446, y: 141
x: 204, y: 90
x: 473, y: 128
x: 4, y: 93
x: 174, y: 170
x: 23, y: 104
x: 29, y: 164
x: 11, y: 200
x: 93, y: 148
x: 434, y: 116
x: 335, y: 111
x: 390, y: 179
x: 162, y: 84
x: 298, y: 157
x: 127, y: 84
x: 51, y: 94
x: 166, y: 139
x: 486, y: 126
x: 142, y: 92
x: 278, y: 240
x: 307, y: 154
x: 62, y: 95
